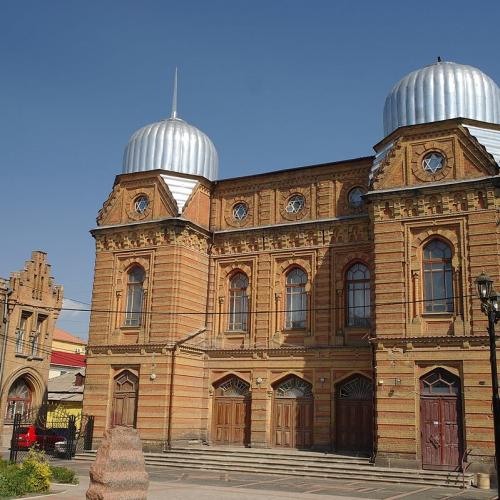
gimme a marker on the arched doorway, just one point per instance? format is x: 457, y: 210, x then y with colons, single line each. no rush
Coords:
x: 354, y: 415
x: 441, y: 420
x: 231, y: 417
x: 293, y: 414
x: 126, y: 385
x: 19, y: 399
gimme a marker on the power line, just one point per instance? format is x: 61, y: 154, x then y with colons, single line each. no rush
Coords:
x: 223, y: 313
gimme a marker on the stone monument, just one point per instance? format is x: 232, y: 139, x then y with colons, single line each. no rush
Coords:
x: 119, y: 470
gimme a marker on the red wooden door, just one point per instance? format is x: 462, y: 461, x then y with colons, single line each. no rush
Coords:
x: 441, y: 432
x: 231, y: 420
x: 293, y: 423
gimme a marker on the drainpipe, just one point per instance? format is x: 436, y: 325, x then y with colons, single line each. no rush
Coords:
x: 5, y: 321
x: 175, y: 348
x: 375, y: 385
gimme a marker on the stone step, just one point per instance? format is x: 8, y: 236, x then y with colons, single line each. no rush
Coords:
x: 305, y: 469
x: 454, y: 481
x: 289, y: 457
x: 289, y: 453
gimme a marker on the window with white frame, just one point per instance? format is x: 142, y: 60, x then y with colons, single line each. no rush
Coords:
x: 135, y: 296
x: 438, y: 277
x: 238, y: 303
x: 296, y: 299
x: 358, y: 296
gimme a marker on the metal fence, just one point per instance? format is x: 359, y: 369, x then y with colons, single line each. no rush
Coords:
x: 59, y: 434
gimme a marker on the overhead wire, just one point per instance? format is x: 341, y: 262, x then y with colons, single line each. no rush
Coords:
x: 223, y: 313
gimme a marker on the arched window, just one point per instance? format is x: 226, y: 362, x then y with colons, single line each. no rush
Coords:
x: 296, y: 299
x: 294, y: 387
x: 438, y: 279
x: 19, y: 399
x: 125, y: 399
x: 135, y: 296
x: 358, y: 295
x: 439, y: 382
x: 238, y: 303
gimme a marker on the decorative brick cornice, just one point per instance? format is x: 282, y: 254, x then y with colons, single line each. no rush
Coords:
x: 408, y: 342
x: 140, y: 349
x: 323, y: 233
x: 173, y: 231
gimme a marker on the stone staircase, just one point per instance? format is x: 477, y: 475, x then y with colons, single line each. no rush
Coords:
x: 295, y: 463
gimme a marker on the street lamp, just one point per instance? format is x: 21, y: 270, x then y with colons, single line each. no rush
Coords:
x: 489, y: 305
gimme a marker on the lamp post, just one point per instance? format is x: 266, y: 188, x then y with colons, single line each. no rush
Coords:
x: 489, y: 305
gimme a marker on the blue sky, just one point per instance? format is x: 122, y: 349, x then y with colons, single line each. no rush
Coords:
x: 275, y: 84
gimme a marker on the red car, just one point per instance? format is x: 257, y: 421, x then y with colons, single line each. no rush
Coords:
x: 43, y: 439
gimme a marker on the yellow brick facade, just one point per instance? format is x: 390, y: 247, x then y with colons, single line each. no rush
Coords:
x: 183, y: 348
x: 30, y: 306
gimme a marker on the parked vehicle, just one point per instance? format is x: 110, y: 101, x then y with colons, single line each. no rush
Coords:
x: 43, y: 439
x: 61, y: 448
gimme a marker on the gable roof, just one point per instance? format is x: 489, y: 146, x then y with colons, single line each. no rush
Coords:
x: 65, y: 336
x: 63, y: 388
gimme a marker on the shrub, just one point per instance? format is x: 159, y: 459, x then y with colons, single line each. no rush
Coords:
x: 37, y: 472
x: 13, y: 481
x: 63, y: 475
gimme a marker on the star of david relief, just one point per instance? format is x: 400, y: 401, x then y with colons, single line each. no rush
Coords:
x: 295, y: 204
x: 433, y: 162
x: 141, y: 204
x: 240, y: 211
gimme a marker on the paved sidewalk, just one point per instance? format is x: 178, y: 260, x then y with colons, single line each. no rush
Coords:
x: 193, y: 484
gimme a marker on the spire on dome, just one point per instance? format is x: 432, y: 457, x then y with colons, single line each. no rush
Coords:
x: 174, y: 97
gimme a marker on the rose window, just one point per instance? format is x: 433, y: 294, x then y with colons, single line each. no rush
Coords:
x: 433, y: 162
x: 141, y: 204
x: 295, y: 204
x: 356, y: 197
x: 240, y: 211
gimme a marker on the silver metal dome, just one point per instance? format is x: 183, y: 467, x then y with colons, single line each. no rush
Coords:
x: 171, y: 144
x: 440, y: 91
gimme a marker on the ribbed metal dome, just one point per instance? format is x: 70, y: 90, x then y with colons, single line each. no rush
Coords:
x: 173, y: 145
x: 440, y: 91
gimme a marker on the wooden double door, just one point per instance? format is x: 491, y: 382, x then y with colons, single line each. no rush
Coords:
x: 231, y: 420
x: 293, y: 423
x: 441, y: 427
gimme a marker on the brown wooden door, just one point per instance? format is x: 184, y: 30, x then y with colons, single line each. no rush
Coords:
x: 292, y: 423
x: 125, y: 399
x: 231, y: 420
x: 303, y: 423
x: 354, y: 426
x: 354, y: 416
x: 441, y: 432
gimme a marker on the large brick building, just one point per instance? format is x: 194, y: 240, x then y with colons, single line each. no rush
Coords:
x: 328, y: 307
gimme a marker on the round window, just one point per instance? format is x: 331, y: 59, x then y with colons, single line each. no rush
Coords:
x: 240, y: 211
x: 433, y: 162
x: 295, y: 204
x: 141, y: 204
x: 356, y: 197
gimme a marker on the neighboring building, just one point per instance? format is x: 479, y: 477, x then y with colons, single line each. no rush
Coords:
x: 33, y: 304
x: 65, y: 396
x: 329, y: 306
x: 68, y: 353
